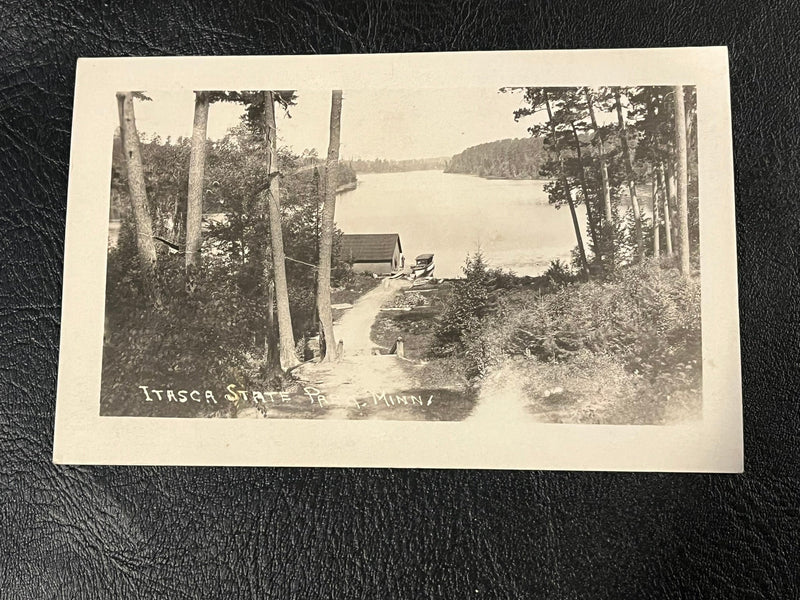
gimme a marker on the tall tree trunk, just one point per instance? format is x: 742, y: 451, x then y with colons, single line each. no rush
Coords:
x: 565, y: 186
x: 287, y: 349
x: 666, y: 191
x: 197, y: 165
x: 673, y: 203
x: 608, y: 224
x: 137, y: 187
x: 656, y: 217
x: 271, y: 337
x: 327, y: 338
x: 683, y: 183
x: 576, y: 225
x: 626, y: 154
x: 655, y: 189
x: 586, y: 200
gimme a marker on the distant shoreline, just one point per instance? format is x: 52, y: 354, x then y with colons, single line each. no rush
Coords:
x: 444, y: 172
x: 347, y: 187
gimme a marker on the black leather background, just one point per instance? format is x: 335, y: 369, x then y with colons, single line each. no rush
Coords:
x: 106, y: 532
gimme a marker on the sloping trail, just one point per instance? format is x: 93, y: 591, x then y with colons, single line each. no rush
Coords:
x: 353, y: 329
x: 501, y: 401
x: 361, y: 371
x: 504, y: 401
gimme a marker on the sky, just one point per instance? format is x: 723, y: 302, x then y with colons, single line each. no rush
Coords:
x: 389, y: 124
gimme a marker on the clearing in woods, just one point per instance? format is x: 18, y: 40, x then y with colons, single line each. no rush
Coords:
x: 362, y: 370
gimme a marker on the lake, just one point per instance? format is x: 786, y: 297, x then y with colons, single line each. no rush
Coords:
x: 452, y: 215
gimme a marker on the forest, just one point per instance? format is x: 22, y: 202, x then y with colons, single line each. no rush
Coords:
x: 603, y: 146
x: 381, y: 165
x: 233, y: 297
x: 166, y: 164
x: 614, y: 336
x: 505, y: 159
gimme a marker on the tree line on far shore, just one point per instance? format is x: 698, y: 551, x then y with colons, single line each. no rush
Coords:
x: 518, y: 158
x: 618, y: 341
x: 608, y: 148
x: 382, y: 165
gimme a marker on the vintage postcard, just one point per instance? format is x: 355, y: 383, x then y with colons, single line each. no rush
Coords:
x: 507, y: 260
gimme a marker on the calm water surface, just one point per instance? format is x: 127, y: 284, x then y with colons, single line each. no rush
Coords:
x: 453, y: 215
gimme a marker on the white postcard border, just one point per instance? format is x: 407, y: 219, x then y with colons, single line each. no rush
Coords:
x: 82, y: 436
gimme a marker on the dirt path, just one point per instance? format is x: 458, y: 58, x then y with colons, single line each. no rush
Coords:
x: 353, y: 329
x: 360, y: 373
x: 500, y: 401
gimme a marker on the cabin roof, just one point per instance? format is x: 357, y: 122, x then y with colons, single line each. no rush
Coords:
x: 369, y: 247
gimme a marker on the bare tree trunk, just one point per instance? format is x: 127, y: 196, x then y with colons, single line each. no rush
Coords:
x: 608, y: 225
x: 626, y: 154
x: 656, y: 217
x: 666, y: 190
x: 273, y: 356
x: 287, y: 349
x: 673, y: 203
x: 197, y: 165
x: 137, y: 187
x: 566, y: 187
x: 683, y: 184
x: 327, y: 338
x: 655, y: 189
x: 585, y: 188
x: 576, y: 225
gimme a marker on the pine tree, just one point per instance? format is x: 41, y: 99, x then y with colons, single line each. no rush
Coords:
x: 197, y: 161
x: 285, y: 332
x: 626, y: 153
x: 327, y: 337
x: 137, y: 187
x: 682, y: 176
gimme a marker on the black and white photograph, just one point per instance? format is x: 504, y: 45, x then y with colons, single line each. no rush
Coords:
x: 524, y: 253
x: 394, y: 252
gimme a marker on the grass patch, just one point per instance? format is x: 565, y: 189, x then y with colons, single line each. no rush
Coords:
x: 415, y: 326
x: 294, y: 410
x: 446, y: 372
x: 597, y: 389
x: 356, y: 288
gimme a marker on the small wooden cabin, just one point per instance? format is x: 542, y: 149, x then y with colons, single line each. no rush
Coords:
x: 372, y: 252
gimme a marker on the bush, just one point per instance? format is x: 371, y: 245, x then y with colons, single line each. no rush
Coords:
x: 597, y: 388
x: 342, y: 274
x: 468, y: 302
x: 559, y: 273
x: 647, y: 317
x: 211, y: 337
x: 409, y: 300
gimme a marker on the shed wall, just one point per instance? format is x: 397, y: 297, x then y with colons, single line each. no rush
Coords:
x: 373, y: 267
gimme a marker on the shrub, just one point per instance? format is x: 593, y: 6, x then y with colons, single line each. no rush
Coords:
x: 342, y: 274
x: 648, y: 317
x: 559, y: 273
x: 189, y: 341
x: 597, y: 388
x: 409, y: 300
x: 468, y: 302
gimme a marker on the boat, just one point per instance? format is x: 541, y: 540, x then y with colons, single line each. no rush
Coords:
x: 423, y: 267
